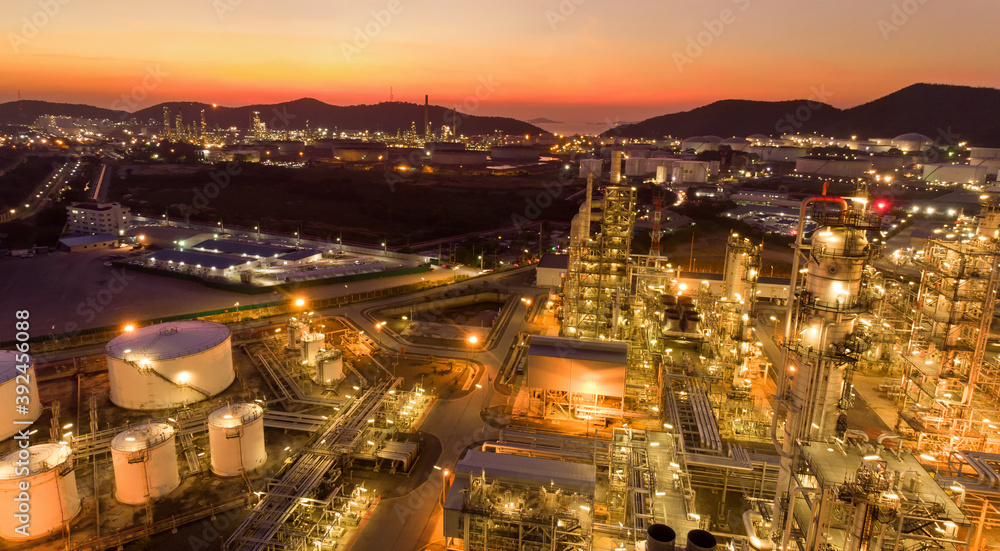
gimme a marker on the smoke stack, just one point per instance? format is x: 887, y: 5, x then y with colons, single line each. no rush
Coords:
x: 660, y: 537
x: 426, y: 119
x: 700, y: 540
x: 616, y: 167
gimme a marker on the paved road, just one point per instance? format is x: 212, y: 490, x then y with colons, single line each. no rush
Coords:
x: 40, y: 195
x: 414, y: 521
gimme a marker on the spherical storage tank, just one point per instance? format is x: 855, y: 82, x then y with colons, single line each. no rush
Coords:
x: 145, y: 463
x: 39, y: 483
x: 17, y: 388
x: 169, y: 365
x: 236, y: 439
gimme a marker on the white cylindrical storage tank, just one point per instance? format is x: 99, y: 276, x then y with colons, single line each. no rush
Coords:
x: 170, y: 365
x: 236, y: 438
x: 39, y: 483
x: 17, y: 388
x: 330, y: 367
x: 145, y: 463
x: 312, y: 343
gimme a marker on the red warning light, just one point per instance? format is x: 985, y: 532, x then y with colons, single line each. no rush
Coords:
x: 881, y: 205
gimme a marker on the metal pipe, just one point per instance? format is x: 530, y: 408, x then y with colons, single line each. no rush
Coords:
x: 789, y: 515
x: 660, y: 537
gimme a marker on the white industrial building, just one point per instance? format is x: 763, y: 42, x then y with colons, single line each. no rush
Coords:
x: 833, y: 168
x: 701, y: 143
x: 85, y: 218
x: 551, y: 269
x: 912, y: 142
x: 944, y: 173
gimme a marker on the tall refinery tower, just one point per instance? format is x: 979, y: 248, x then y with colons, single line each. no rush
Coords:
x: 823, y: 337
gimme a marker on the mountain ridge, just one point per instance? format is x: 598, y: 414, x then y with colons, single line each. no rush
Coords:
x: 949, y: 113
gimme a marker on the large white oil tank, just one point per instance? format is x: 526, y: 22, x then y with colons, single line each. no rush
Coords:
x: 312, y: 343
x: 37, y: 489
x: 17, y: 388
x: 145, y: 463
x: 170, y: 365
x: 236, y: 438
x: 329, y: 367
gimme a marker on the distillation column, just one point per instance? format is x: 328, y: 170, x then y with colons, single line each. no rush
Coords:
x: 821, y: 346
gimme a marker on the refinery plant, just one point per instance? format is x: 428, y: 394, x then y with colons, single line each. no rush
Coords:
x: 632, y: 405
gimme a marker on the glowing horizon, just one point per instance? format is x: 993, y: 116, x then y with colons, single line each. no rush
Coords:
x: 558, y: 59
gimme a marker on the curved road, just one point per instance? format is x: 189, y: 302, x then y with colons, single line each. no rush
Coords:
x: 414, y: 521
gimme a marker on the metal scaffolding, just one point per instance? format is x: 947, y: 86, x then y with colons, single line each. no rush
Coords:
x: 597, y: 283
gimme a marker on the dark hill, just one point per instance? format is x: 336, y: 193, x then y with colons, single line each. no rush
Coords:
x: 386, y: 117
x: 733, y: 117
x: 962, y: 112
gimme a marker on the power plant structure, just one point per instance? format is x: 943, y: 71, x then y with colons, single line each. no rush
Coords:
x: 851, y: 406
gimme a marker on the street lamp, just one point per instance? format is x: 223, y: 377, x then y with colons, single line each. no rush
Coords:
x: 378, y: 332
x: 480, y: 263
x: 384, y: 250
x: 223, y: 228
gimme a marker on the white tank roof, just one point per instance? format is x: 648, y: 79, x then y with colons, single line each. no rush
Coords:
x: 168, y: 340
x: 43, y: 458
x: 8, y: 365
x: 142, y: 437
x: 234, y: 415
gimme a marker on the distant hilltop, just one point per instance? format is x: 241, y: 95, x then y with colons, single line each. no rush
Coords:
x: 953, y: 113
x: 389, y: 117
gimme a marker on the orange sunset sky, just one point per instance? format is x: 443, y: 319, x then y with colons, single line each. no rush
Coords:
x: 579, y: 60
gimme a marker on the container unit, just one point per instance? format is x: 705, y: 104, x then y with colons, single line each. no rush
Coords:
x: 236, y: 438
x: 145, y: 463
x: 329, y: 367
x: 170, y: 365
x: 17, y: 388
x: 51, y: 498
x: 312, y: 343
